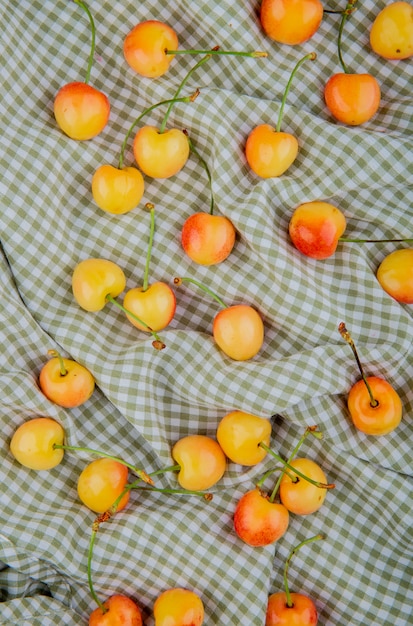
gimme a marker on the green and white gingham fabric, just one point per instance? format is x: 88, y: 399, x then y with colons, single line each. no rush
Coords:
x: 361, y: 573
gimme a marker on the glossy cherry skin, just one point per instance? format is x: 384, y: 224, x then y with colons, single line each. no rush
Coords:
x: 302, y: 613
x: 270, y: 153
x: 202, y: 462
x: 395, y: 275
x: 239, y: 435
x: 207, y: 239
x: 117, y: 191
x: 69, y: 390
x: 155, y: 306
x: 299, y: 496
x: 391, y: 34
x: 379, y: 420
x: 259, y: 522
x: 352, y: 99
x: 101, y: 482
x: 291, y: 21
x: 122, y: 611
x: 239, y: 331
x: 160, y: 155
x: 93, y: 280
x: 32, y: 443
x: 81, y: 111
x: 144, y: 48
x: 178, y: 607
x: 315, y: 228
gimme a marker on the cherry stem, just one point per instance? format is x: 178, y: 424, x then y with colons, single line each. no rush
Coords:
x: 347, y: 337
x: 350, y: 8
x: 287, y: 464
x: 158, y: 344
x: 309, y: 430
x: 205, y: 165
x: 311, y: 57
x: 150, y: 207
x: 179, y: 281
x: 93, y: 42
x: 256, y: 54
x: 139, y: 472
x: 145, y: 112
x: 289, y: 601
x: 57, y: 355
x: 347, y: 240
x: 178, y: 91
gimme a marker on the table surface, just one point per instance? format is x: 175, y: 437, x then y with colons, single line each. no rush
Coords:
x: 146, y: 400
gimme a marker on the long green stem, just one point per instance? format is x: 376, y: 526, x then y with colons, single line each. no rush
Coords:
x: 145, y: 112
x: 311, y: 57
x: 93, y: 37
x: 158, y: 344
x: 348, y: 240
x: 289, y: 602
x: 347, y: 337
x: 179, y: 281
x: 350, y: 8
x: 208, y: 172
x: 178, y: 91
x: 57, y: 355
x: 256, y: 54
x: 316, y: 483
x: 309, y: 430
x: 151, y: 210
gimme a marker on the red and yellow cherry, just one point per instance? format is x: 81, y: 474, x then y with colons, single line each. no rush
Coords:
x: 94, y: 280
x: 81, y: 111
x: 291, y: 22
x: 116, y: 190
x: 178, y: 607
x: 391, y: 34
x: 269, y: 151
x: 315, y: 228
x: 151, y: 45
x: 291, y: 609
x: 374, y: 406
x: 118, y: 610
x: 65, y: 382
x: 201, y: 461
x: 144, y: 48
x: 258, y: 520
x: 395, y: 275
x: 238, y: 330
x: 101, y: 482
x: 300, y: 496
x: 32, y: 444
x: 352, y: 99
x: 155, y: 303
x: 239, y: 435
x: 206, y: 238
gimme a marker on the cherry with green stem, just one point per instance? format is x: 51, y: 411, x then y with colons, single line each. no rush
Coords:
x: 348, y: 339
x: 288, y: 561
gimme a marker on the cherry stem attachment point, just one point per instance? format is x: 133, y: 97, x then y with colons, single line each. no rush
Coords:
x: 145, y: 112
x: 205, y: 165
x: 186, y: 279
x: 347, y: 337
x: 149, y: 207
x: 93, y: 37
x: 55, y: 354
x: 178, y: 91
x: 256, y: 54
x: 350, y: 8
x: 308, y: 57
x: 289, y: 602
x: 296, y: 472
x: 309, y: 430
x: 158, y: 344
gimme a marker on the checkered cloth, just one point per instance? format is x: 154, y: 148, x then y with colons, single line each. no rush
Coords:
x: 146, y: 400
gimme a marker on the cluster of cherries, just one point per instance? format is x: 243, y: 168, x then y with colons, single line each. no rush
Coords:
x: 315, y: 229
